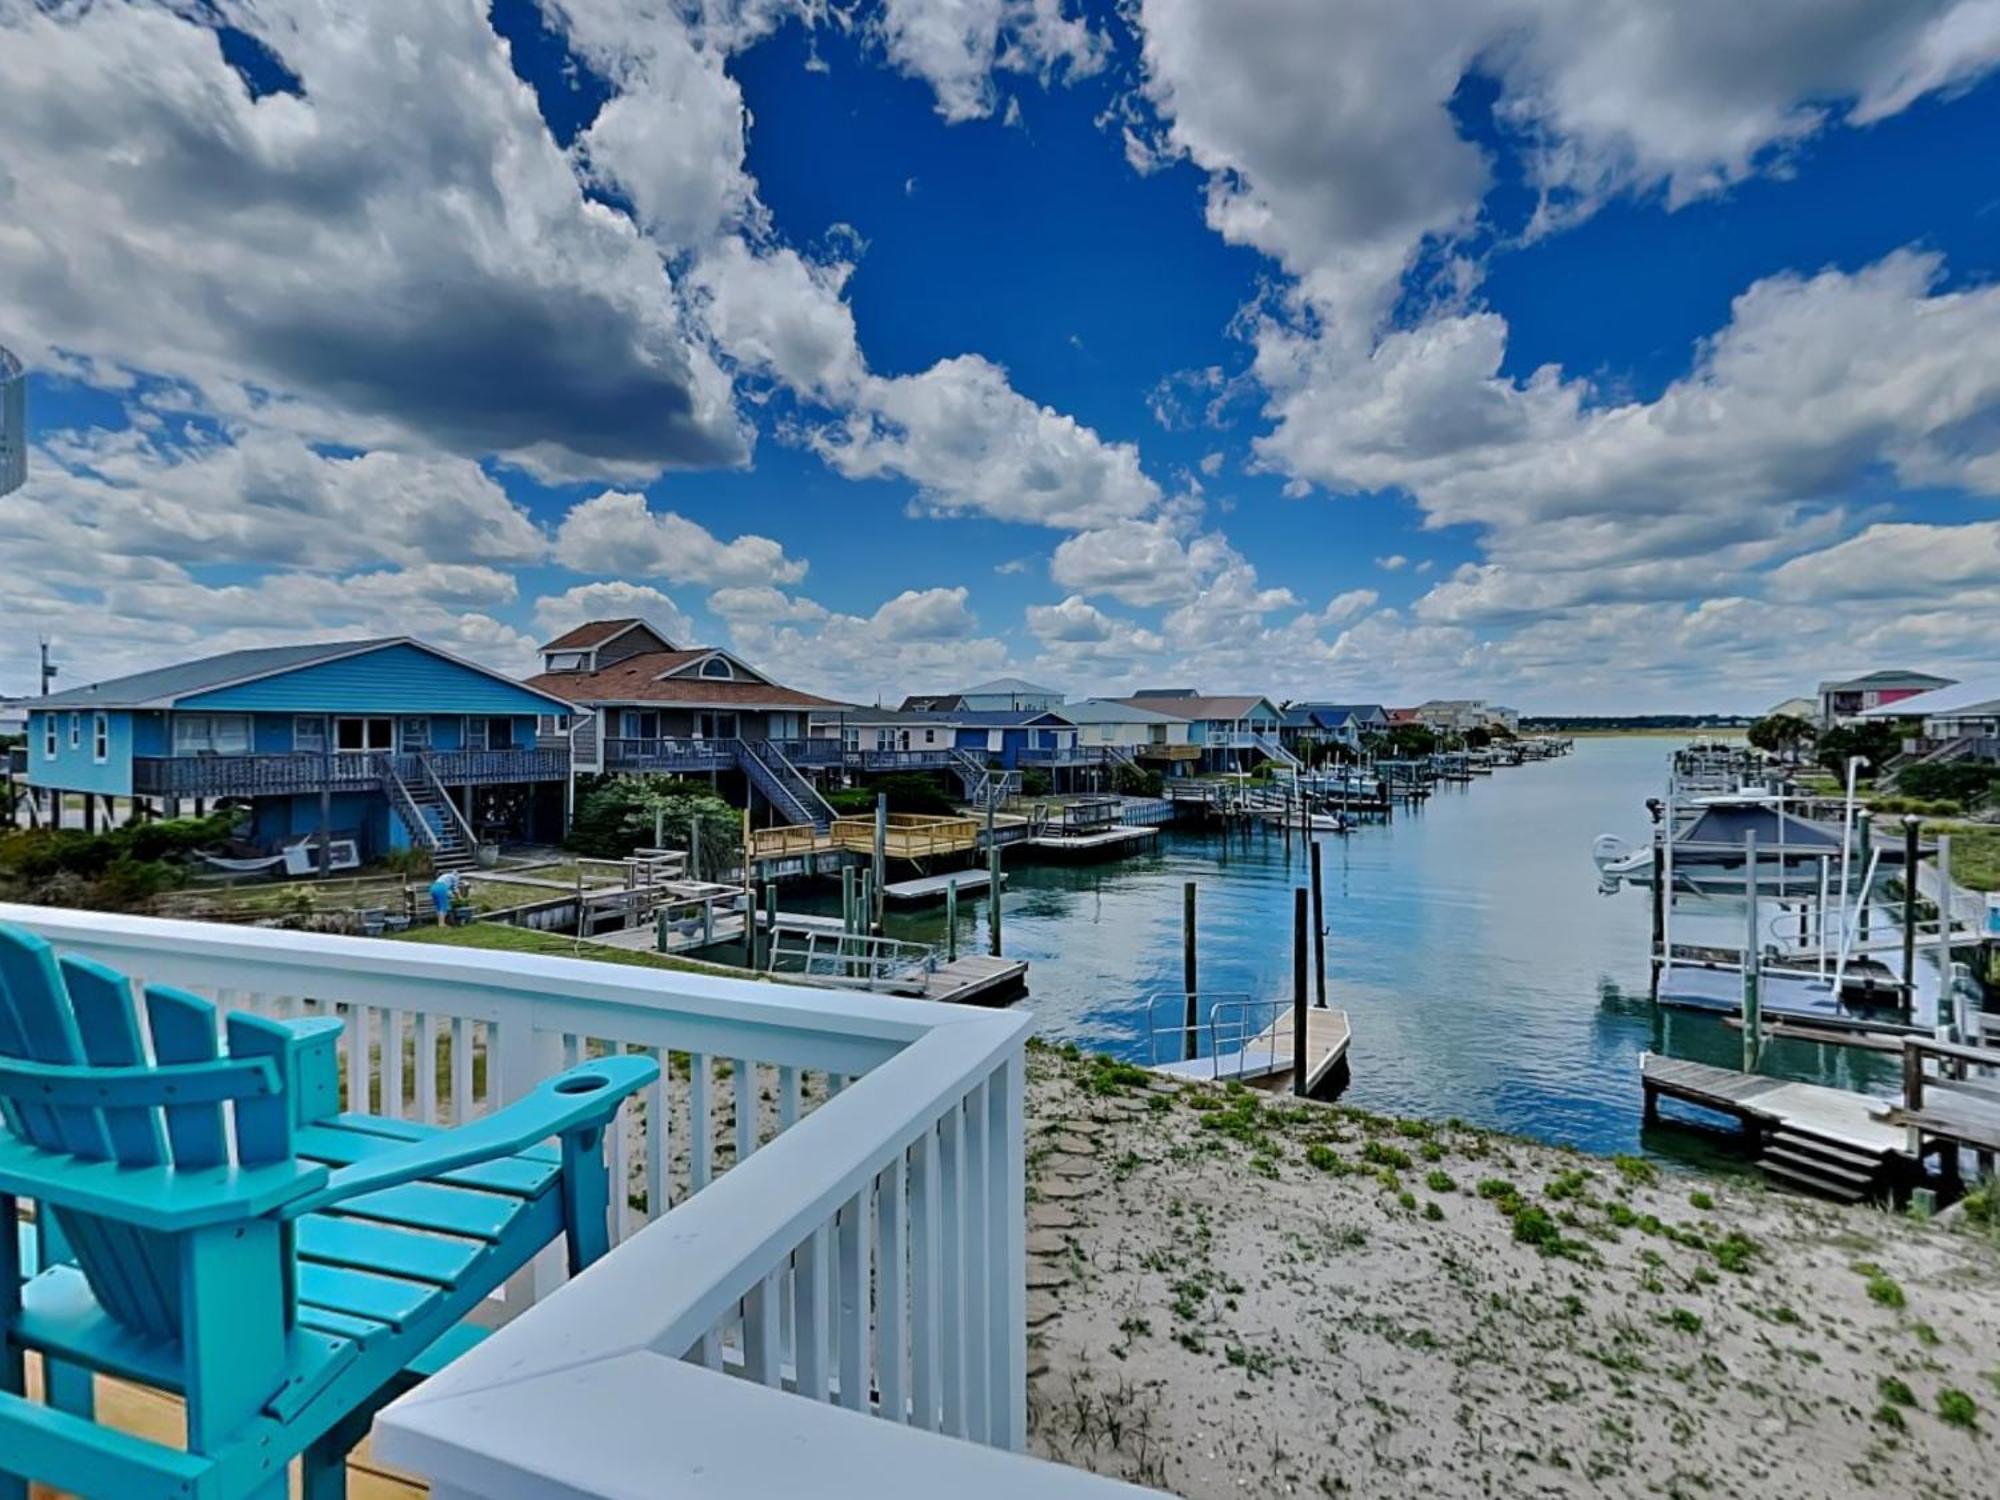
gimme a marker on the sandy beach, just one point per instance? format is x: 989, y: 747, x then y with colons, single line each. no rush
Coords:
x: 1234, y: 1295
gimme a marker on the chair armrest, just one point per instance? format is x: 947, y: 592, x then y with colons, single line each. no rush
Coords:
x: 315, y: 1067
x: 585, y: 1097
x: 166, y: 1198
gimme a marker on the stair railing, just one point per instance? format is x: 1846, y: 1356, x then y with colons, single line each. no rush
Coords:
x: 457, y: 817
x: 406, y: 805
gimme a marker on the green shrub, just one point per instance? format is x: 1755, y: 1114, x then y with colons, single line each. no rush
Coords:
x: 617, y: 814
x: 1956, y: 1409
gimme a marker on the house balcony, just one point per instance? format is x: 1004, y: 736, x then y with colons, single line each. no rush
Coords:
x: 935, y: 758
x: 818, y: 1218
x: 1172, y: 754
x: 676, y: 755
x: 1060, y: 755
x: 301, y: 774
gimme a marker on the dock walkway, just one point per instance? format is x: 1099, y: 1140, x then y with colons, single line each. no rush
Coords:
x: 1265, y: 1060
x: 935, y: 887
x: 969, y: 979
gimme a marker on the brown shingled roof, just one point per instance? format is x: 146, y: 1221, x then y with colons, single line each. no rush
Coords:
x: 637, y: 679
x: 590, y: 633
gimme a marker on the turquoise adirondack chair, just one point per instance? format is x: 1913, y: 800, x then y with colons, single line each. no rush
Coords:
x: 285, y: 1289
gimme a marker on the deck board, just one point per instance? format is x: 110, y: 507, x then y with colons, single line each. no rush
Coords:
x: 1850, y: 1119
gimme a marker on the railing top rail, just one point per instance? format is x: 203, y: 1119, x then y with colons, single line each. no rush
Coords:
x: 465, y: 981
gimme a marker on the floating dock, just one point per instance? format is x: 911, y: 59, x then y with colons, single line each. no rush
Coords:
x: 1265, y: 1061
x: 936, y: 887
x: 969, y: 979
x: 1105, y: 841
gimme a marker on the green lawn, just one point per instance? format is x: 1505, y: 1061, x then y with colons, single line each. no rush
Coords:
x: 499, y: 937
x: 1975, y: 853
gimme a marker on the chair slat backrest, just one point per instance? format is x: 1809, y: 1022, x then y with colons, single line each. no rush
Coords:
x: 107, y: 1020
x: 128, y: 1268
x: 183, y: 1028
x: 74, y: 1012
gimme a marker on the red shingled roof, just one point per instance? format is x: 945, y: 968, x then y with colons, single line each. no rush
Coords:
x: 590, y: 633
x: 637, y: 679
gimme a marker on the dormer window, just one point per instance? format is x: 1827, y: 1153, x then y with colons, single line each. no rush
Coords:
x: 566, y: 661
x: 717, y: 666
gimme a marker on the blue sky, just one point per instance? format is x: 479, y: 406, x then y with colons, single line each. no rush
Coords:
x: 1517, y: 350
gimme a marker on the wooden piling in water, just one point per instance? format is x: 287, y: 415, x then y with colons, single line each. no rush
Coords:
x: 1910, y: 856
x: 1864, y: 828
x: 1299, y: 1000
x: 1190, y: 981
x: 951, y: 923
x: 1319, y: 931
x: 1753, y: 1012
x: 993, y: 896
x: 880, y: 864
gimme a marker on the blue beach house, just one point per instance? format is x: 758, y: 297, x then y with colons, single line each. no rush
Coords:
x: 1016, y: 738
x: 388, y: 743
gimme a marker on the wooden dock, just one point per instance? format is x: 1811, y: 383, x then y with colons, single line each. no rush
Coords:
x: 1828, y: 1141
x: 1104, y: 841
x: 1265, y: 1061
x: 969, y: 979
x: 935, y: 887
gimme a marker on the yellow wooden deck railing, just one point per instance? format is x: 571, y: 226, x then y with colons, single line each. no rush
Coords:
x: 909, y: 835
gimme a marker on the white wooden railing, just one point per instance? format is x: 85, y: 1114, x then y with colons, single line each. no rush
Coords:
x: 823, y: 1198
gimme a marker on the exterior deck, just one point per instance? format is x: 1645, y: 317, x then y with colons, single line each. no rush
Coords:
x: 301, y: 775
x: 844, y: 1176
x: 681, y: 756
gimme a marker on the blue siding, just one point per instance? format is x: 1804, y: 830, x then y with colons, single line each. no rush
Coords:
x: 398, y: 679
x: 149, y: 733
x: 77, y: 770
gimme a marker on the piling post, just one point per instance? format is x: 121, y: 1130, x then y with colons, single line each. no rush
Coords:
x: 951, y: 923
x: 749, y: 897
x: 694, y: 847
x: 1753, y: 1014
x: 770, y: 923
x: 1299, y: 1000
x: 1190, y: 977
x: 1947, y: 1007
x: 1910, y: 856
x: 847, y: 898
x: 881, y: 861
x: 1319, y: 932
x: 1864, y: 829
x: 1656, y: 809
x: 993, y: 897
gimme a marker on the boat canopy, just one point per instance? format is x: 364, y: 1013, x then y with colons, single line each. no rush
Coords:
x: 1729, y: 824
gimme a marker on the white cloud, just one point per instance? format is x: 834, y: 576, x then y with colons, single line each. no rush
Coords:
x: 1395, y: 562
x: 974, y: 445
x: 557, y: 613
x: 956, y: 46
x: 1904, y: 561
x: 370, y: 254
x: 1140, y: 562
x: 764, y: 605
x: 918, y: 639
x: 1345, y: 606
x: 616, y: 533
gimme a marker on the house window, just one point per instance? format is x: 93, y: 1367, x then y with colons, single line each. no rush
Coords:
x: 551, y: 724
x: 100, y: 738
x: 641, y: 724
x: 710, y: 726
x: 48, y: 736
x: 75, y: 731
x: 566, y: 661
x: 363, y: 736
x: 416, y: 734
x: 715, y: 666
x: 211, y: 734
x: 309, y: 734
x: 489, y: 734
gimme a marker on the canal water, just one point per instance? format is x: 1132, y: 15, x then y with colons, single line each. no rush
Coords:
x: 1484, y: 975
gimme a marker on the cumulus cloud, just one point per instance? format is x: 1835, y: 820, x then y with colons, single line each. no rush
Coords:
x: 971, y: 443
x: 617, y: 533
x: 920, y: 638
x: 399, y: 245
x: 1139, y: 562
x: 616, y: 600
x: 956, y: 46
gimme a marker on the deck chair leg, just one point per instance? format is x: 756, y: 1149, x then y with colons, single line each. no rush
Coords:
x: 323, y: 1466
x: 13, y: 1367
x: 69, y: 1388
x: 586, y: 1188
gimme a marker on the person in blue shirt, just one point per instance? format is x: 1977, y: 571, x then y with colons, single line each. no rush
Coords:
x: 444, y: 890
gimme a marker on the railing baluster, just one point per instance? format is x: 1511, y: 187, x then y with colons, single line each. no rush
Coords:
x: 788, y: 1098
x: 891, y: 1288
x: 1007, y: 1258
x: 461, y: 1070
x: 852, y: 1289
x: 760, y: 1332
x: 925, y: 1301
x: 812, y: 1311
x: 427, y: 1074
x: 621, y: 1171
x: 978, y: 1266
x: 699, y: 1125
x: 360, y: 1060
x: 392, y: 1064
x: 659, y: 1137
x: 951, y: 1278
x: 744, y: 1077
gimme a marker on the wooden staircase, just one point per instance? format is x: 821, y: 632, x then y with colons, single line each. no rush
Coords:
x: 1804, y: 1162
x: 429, y: 819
